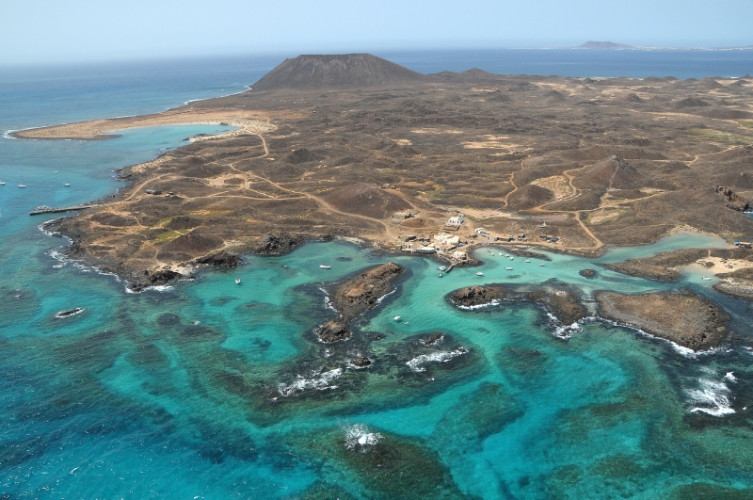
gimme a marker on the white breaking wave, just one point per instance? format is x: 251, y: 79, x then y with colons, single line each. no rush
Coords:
x: 358, y: 437
x: 712, y: 398
x: 564, y: 332
x: 416, y: 364
x: 493, y: 303
x: 327, y: 300
x: 7, y: 135
x: 319, y: 381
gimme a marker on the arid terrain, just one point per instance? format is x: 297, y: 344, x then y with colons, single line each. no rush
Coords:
x: 355, y: 146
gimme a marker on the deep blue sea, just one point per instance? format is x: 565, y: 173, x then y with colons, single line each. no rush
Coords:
x: 208, y: 389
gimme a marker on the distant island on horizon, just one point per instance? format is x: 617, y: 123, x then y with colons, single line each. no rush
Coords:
x: 607, y: 45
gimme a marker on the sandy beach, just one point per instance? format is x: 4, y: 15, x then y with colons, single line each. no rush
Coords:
x: 247, y: 122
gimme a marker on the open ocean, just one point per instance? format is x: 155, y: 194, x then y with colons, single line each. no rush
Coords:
x: 180, y: 392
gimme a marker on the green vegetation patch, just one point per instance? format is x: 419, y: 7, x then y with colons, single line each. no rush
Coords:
x: 718, y: 136
x: 166, y: 236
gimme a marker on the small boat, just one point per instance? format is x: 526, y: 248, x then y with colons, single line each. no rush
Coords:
x: 22, y: 186
x: 508, y: 268
x: 439, y: 275
x: 237, y: 281
x: 527, y: 261
x: 706, y: 278
x: 2, y: 183
x: 479, y: 273
x: 512, y: 258
x: 397, y: 318
x: 325, y: 266
x: 67, y: 184
x: 441, y: 268
x: 69, y: 312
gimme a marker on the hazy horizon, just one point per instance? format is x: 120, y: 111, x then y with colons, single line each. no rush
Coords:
x: 80, y: 31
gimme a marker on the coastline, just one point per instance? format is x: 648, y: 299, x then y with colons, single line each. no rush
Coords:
x: 247, y: 122
x: 277, y: 181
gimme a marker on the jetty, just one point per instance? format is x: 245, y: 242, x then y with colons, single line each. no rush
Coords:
x: 52, y: 210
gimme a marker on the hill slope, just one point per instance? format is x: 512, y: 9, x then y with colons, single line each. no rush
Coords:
x: 335, y: 71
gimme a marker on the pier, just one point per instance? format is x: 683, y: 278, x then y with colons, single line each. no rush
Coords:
x: 52, y: 210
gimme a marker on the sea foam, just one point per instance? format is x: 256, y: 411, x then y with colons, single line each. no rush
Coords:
x: 416, y: 364
x: 358, y: 437
x: 712, y: 397
x: 320, y: 381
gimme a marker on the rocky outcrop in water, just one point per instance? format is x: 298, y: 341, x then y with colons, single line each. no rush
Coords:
x: 152, y: 278
x: 475, y: 296
x: 556, y: 297
x: 587, y: 273
x: 685, y: 318
x: 361, y: 292
x: 357, y: 295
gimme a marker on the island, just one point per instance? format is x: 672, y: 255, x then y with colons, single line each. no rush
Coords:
x: 354, y: 146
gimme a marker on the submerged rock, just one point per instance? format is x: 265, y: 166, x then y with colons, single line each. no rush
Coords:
x: 587, y: 273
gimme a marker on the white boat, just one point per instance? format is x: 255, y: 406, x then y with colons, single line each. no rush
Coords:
x: 527, y: 261
x: 508, y: 268
x: 237, y: 281
x: 479, y: 273
x: 325, y: 266
x: 439, y: 275
x: 22, y: 186
x: 512, y: 258
x: 397, y: 318
x: 67, y: 184
x: 2, y: 183
x: 706, y: 278
x: 441, y: 268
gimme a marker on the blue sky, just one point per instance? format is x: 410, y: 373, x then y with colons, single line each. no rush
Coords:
x: 34, y: 31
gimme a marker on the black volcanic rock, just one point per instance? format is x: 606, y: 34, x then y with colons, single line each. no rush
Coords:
x: 335, y: 71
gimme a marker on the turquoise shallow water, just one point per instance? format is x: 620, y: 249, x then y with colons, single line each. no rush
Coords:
x: 180, y: 393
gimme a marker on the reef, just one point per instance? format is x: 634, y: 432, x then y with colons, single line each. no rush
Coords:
x: 686, y: 319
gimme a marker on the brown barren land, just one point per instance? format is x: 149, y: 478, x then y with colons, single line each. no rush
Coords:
x: 371, y: 150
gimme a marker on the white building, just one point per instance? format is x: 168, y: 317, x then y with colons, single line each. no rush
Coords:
x: 456, y: 220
